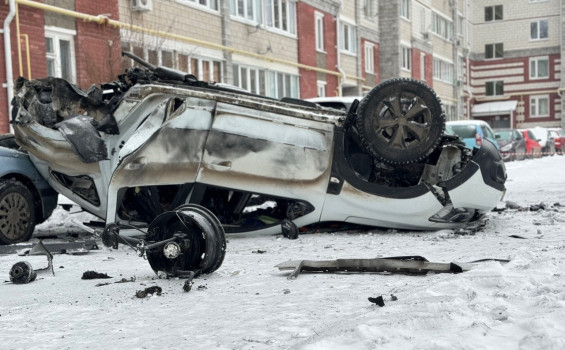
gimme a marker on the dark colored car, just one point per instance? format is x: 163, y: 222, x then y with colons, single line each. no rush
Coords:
x: 533, y: 148
x: 26, y: 199
x: 512, y: 144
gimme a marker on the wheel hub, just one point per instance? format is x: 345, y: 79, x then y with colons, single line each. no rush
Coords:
x: 13, y: 215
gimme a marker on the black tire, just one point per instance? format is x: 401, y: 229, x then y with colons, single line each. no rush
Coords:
x: 17, y: 212
x: 207, y: 240
x: 400, y: 121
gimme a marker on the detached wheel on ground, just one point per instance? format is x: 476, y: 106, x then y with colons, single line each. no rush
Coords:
x: 201, y: 241
x: 17, y: 212
x: 400, y: 121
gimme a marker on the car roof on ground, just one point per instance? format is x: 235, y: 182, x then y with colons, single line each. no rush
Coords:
x: 345, y: 99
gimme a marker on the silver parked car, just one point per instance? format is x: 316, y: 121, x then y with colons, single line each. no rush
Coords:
x: 174, y: 162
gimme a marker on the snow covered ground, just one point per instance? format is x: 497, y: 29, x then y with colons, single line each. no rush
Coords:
x: 248, y: 304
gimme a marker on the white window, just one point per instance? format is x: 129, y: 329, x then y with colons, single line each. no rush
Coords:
x: 369, y: 8
x: 203, y: 68
x: 406, y: 58
x: 250, y: 79
x: 281, y: 15
x: 369, y: 58
x: 250, y: 10
x: 539, y: 29
x: 539, y: 67
x: 319, y: 30
x: 493, y: 13
x: 442, y: 26
x: 60, y: 52
x: 422, y: 66
x: 443, y: 70
x: 348, y: 38
x: 405, y: 8
x: 539, y: 106
x: 321, y: 88
x: 282, y: 85
x: 211, y: 4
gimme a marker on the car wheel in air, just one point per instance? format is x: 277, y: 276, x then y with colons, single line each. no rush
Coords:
x: 17, y: 212
x: 400, y: 121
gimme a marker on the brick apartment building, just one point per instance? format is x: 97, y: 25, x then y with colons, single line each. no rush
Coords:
x: 494, y: 60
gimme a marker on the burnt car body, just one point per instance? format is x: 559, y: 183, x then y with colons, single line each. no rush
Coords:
x: 157, y: 139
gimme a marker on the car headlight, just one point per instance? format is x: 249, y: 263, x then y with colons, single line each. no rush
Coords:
x: 506, y: 148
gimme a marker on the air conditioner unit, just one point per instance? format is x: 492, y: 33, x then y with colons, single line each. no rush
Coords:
x: 426, y: 36
x: 141, y: 5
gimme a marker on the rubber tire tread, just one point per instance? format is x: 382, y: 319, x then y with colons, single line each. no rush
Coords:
x: 9, y: 186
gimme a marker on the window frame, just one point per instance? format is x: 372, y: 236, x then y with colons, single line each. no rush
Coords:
x: 494, y: 87
x: 443, y: 70
x: 351, y: 47
x: 406, y: 58
x: 208, y: 6
x: 494, y: 51
x: 538, y: 30
x: 56, y: 34
x: 369, y: 49
x: 442, y: 26
x: 536, y: 61
x: 536, y: 106
x: 493, y: 9
x: 321, y: 88
x: 256, y: 11
x: 404, y: 9
x: 274, y: 8
x: 319, y: 31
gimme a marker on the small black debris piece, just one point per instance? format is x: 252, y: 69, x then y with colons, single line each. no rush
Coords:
x: 202, y: 287
x: 92, y: 275
x: 378, y: 300
x: 187, y: 285
x: 538, y: 207
x: 259, y: 251
x: 512, y: 205
x: 393, y: 297
x: 149, y: 290
x: 517, y: 236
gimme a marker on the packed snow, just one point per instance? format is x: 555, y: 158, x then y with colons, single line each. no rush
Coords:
x: 249, y: 304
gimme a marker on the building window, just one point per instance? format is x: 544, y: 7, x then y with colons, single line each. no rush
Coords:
x: 282, y: 85
x: 539, y: 68
x: 264, y: 82
x: 60, y: 53
x: 539, y: 106
x: 460, y: 21
x: 539, y: 29
x: 319, y: 31
x: 321, y: 88
x: 211, y: 4
x: 494, y: 51
x: 250, y: 10
x: 281, y: 15
x: 494, y: 88
x: 406, y: 58
x: 370, y: 8
x: 348, y: 38
x: 405, y: 8
x: 442, y: 26
x: 203, y: 68
x: 443, y: 70
x: 493, y: 13
x: 369, y: 58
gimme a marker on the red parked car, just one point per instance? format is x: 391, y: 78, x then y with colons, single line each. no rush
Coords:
x: 533, y: 148
x: 559, y: 139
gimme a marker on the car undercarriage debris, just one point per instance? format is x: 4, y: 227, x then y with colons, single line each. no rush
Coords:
x: 22, y: 271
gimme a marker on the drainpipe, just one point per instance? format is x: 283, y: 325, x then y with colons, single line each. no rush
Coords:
x: 469, y: 91
x: 9, y: 85
x: 341, y: 79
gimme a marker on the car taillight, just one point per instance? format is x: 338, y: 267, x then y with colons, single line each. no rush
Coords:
x: 478, y: 139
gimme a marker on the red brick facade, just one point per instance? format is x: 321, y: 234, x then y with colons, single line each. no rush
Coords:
x: 428, y: 66
x: 308, y: 55
x: 97, y: 48
x: 32, y: 24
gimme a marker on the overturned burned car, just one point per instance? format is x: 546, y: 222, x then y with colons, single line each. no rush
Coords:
x: 171, y: 163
